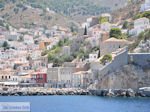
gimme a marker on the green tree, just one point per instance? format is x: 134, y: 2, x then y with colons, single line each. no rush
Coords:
x: 102, y: 19
x: 115, y: 32
x: 85, y: 31
x: 5, y: 44
x: 7, y: 26
x: 106, y: 59
x: 44, y: 52
x: 125, y: 25
x: 51, y: 57
x: 1, y: 23
x: 60, y: 43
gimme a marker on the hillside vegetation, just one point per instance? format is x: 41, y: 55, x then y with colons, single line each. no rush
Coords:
x: 66, y: 7
x: 128, y: 12
x: 19, y: 13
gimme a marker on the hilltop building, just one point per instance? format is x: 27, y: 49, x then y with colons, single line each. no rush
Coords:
x: 145, y: 6
x: 140, y: 25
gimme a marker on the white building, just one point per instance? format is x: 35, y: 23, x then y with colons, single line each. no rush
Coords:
x: 106, y: 26
x: 139, y: 26
x: 93, y: 41
x: 107, y: 15
x: 93, y: 56
x: 81, y: 79
x: 28, y: 39
x: 145, y: 6
x: 94, y: 32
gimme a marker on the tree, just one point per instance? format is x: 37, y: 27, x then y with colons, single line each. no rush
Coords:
x: 106, y: 59
x: 7, y: 26
x: 85, y: 31
x: 1, y: 23
x: 5, y: 44
x: 51, y: 57
x: 72, y: 29
x: 99, y: 53
x: 102, y: 19
x: 44, y: 53
x: 60, y: 43
x: 115, y: 32
x: 125, y: 25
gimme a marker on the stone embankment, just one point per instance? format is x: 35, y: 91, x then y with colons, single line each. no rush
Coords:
x: 142, y: 92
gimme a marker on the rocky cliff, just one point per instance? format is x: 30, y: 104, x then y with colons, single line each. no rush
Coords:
x: 143, y: 47
x: 130, y: 76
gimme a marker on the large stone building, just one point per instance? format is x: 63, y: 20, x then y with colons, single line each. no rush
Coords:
x: 111, y: 45
x: 59, y: 76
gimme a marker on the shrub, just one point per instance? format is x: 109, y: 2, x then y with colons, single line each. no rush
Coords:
x: 125, y: 25
x: 102, y: 19
x: 106, y: 59
x: 115, y: 32
x: 44, y: 52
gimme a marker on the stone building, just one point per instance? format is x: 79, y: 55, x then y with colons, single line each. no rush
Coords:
x: 112, y: 44
x: 82, y: 79
x: 59, y: 76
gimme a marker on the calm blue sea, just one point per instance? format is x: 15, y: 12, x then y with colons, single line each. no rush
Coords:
x: 81, y: 103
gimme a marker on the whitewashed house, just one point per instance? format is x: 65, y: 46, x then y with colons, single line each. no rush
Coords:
x: 28, y: 39
x: 93, y: 56
x: 139, y: 26
x: 145, y: 6
x: 106, y: 26
x: 93, y: 41
x: 7, y: 54
x: 95, y: 32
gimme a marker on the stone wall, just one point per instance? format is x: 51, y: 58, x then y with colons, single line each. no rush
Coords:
x: 119, y: 60
x: 140, y: 59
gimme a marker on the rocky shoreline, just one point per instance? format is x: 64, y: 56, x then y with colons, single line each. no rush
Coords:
x: 142, y: 92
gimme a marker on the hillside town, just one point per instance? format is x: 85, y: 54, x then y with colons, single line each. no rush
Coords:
x: 60, y: 57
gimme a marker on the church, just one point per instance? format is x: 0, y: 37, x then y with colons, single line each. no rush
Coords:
x: 146, y: 6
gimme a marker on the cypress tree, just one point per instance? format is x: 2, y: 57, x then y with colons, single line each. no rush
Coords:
x: 85, y: 31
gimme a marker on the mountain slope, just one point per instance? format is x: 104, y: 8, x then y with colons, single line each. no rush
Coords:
x: 29, y: 13
x: 128, y: 12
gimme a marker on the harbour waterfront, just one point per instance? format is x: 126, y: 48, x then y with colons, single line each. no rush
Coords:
x: 37, y: 91
x: 81, y: 103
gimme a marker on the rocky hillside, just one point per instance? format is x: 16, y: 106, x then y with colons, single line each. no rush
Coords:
x: 130, y: 76
x: 21, y: 16
x: 143, y: 47
x: 128, y: 12
x: 113, y: 4
x: 31, y: 13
